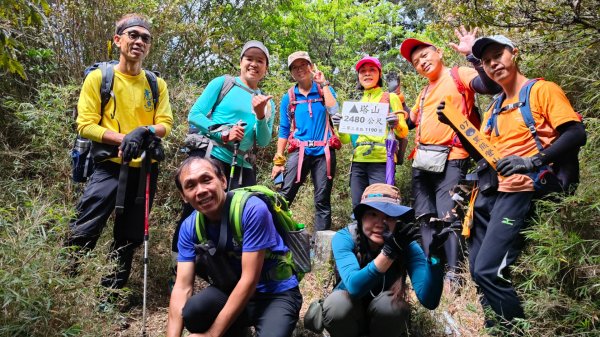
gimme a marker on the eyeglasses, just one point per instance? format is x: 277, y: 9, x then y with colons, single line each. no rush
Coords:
x: 135, y: 35
x: 300, y: 66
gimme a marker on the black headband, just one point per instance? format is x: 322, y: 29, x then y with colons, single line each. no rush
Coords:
x: 131, y: 23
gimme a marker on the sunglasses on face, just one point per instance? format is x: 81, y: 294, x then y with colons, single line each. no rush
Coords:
x: 135, y: 35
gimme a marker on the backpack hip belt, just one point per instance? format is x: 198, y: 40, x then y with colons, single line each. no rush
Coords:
x: 312, y: 143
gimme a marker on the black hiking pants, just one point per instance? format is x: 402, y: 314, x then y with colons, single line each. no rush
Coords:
x: 494, y: 245
x: 362, y: 175
x: 97, y: 204
x: 431, y: 194
x: 272, y: 315
x: 317, y: 166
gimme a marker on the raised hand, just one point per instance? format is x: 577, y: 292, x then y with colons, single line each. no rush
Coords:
x: 318, y: 75
x: 466, y: 40
x: 259, y: 102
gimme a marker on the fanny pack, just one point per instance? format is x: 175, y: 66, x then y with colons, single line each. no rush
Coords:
x: 431, y: 158
x: 487, y: 177
x: 545, y: 182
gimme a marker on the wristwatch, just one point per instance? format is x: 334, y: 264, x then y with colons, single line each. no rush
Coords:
x: 537, y: 161
x: 225, y: 136
x: 325, y: 84
x: 151, y: 129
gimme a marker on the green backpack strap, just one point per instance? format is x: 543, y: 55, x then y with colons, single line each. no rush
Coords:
x: 240, y: 197
x: 200, y: 227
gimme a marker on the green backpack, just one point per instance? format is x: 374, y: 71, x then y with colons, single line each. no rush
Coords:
x: 295, y: 236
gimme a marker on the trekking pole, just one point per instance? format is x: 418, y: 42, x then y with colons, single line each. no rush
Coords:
x: 236, y: 147
x: 147, y: 163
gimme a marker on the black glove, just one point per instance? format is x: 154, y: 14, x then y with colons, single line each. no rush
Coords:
x: 441, y: 117
x: 436, y: 247
x: 510, y: 165
x: 155, y: 149
x: 133, y: 143
x: 395, y: 243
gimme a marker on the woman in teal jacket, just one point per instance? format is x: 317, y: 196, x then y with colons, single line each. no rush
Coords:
x: 373, y: 259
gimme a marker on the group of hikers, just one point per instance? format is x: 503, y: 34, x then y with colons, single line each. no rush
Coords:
x: 387, y: 240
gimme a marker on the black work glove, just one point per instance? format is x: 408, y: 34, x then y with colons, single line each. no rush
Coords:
x: 155, y: 148
x: 436, y: 247
x: 397, y: 242
x: 440, y: 113
x: 510, y: 165
x: 133, y: 143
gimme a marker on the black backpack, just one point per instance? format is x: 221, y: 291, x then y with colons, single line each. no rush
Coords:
x: 82, y: 159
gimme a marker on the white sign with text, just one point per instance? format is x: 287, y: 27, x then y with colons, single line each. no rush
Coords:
x: 364, y: 118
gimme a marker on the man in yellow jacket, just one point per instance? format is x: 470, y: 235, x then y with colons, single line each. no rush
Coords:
x: 125, y: 126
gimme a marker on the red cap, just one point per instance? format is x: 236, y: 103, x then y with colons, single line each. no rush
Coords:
x: 407, y: 47
x: 368, y: 59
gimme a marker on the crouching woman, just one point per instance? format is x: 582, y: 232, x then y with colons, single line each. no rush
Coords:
x: 373, y: 258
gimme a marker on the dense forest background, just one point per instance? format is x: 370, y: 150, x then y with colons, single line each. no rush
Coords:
x: 45, y: 45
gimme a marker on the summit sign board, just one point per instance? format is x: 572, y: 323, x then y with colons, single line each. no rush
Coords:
x: 364, y: 118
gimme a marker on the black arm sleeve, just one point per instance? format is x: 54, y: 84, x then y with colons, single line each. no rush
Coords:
x: 405, y: 107
x: 482, y: 84
x: 572, y: 135
x: 411, y: 125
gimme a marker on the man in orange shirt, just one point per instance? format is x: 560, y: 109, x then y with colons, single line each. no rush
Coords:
x: 500, y: 214
x: 431, y: 185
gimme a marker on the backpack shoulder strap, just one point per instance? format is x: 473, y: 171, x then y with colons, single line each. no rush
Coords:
x: 353, y: 229
x: 236, y: 211
x: 224, y: 222
x: 385, y: 97
x: 106, y: 86
x: 200, y: 227
x: 228, y: 83
x: 525, y: 109
x: 456, y: 78
x: 152, y: 79
x: 291, y: 110
x: 461, y: 88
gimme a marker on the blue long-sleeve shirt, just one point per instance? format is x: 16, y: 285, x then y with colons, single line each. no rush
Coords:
x: 426, y: 278
x: 307, y: 127
x: 236, y: 106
